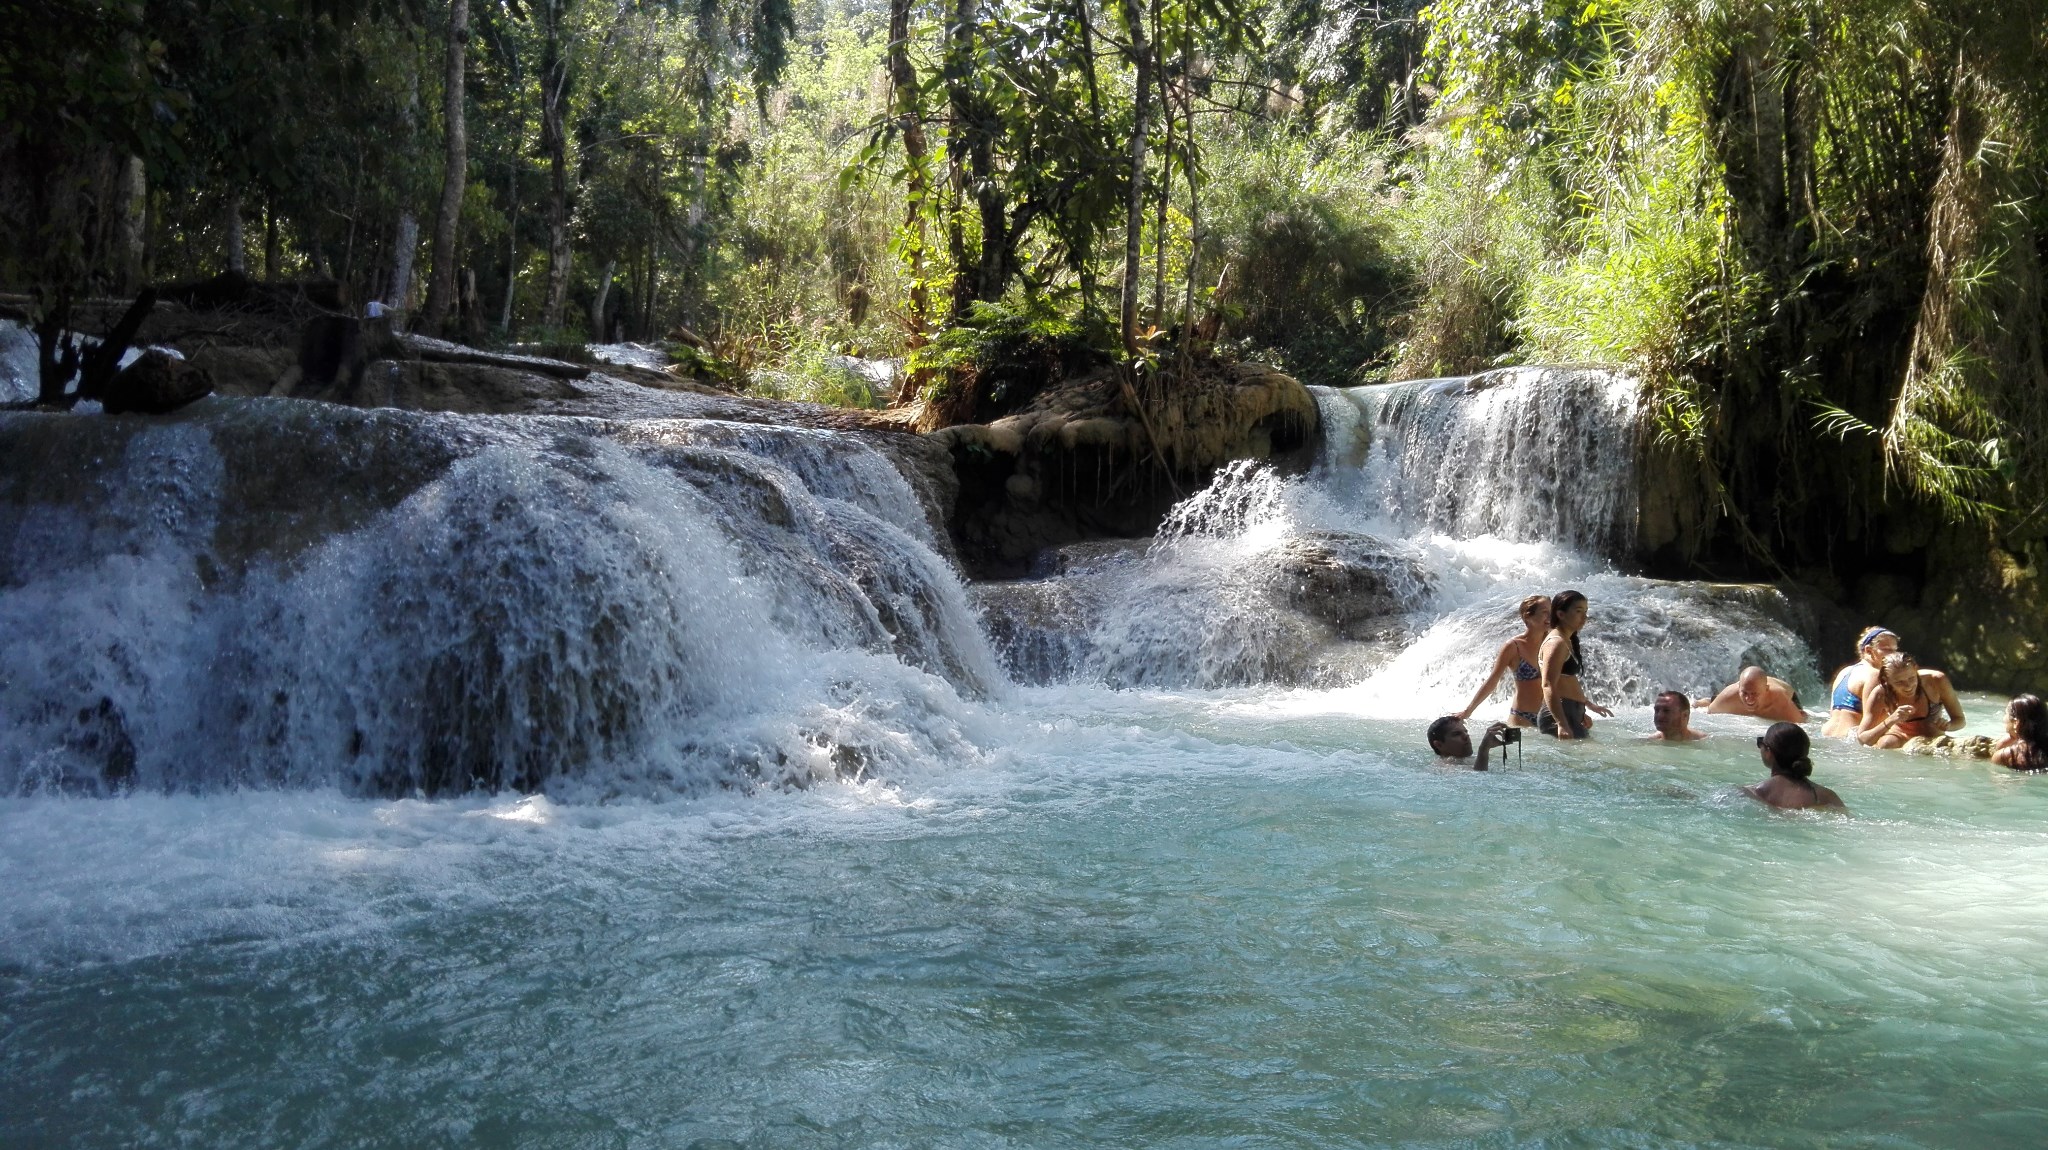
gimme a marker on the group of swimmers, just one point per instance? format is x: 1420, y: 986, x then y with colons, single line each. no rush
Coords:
x: 1885, y: 699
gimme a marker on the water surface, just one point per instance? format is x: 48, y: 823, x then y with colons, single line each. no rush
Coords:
x: 1169, y: 919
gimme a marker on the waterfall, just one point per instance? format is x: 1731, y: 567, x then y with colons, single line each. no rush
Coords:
x: 279, y: 593
x: 1395, y: 565
x: 1526, y: 454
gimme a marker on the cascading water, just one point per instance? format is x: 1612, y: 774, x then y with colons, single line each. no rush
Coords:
x: 276, y: 592
x: 1394, y: 566
x: 1060, y: 916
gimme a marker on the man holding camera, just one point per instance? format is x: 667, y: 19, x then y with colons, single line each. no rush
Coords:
x: 1452, y: 743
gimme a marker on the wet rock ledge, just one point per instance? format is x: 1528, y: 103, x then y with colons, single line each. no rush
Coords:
x: 1096, y: 457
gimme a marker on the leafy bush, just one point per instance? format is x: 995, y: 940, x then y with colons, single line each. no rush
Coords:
x: 1304, y: 223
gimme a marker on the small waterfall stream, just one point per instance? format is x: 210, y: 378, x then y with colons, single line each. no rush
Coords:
x: 1395, y: 565
x: 273, y: 592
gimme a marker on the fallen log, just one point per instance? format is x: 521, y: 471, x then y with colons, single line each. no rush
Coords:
x: 441, y: 351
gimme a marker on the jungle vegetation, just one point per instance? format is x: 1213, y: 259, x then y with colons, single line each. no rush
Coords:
x: 1814, y: 229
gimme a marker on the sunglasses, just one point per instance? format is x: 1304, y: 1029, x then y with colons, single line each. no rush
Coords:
x: 1759, y: 740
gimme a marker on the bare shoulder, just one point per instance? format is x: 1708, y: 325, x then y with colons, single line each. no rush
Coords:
x: 1824, y: 797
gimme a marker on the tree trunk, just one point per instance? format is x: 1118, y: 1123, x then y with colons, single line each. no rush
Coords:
x: 903, y: 104
x: 1134, y: 209
x: 1163, y: 199
x: 238, y: 259
x: 403, y: 247
x: 960, y: 132
x: 448, y: 220
x: 405, y: 244
x: 604, y: 289
x: 554, y: 98
x: 131, y: 233
x: 270, y: 239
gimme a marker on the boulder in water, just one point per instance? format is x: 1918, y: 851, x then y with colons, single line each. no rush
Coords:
x: 1347, y: 581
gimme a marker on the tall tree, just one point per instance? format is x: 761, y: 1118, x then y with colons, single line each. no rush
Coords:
x: 1135, y: 21
x: 448, y: 218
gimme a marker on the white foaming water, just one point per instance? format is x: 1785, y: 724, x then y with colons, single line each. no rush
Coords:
x: 1393, y: 569
x: 1062, y: 916
x: 532, y: 603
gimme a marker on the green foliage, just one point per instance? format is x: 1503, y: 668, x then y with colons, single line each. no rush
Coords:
x: 1305, y: 225
x: 1007, y: 353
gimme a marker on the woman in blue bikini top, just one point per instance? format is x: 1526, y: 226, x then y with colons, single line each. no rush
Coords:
x: 1516, y: 656
x: 1845, y: 706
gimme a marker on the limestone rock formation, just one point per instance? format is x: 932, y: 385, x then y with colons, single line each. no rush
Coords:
x: 1097, y: 457
x: 1353, y: 583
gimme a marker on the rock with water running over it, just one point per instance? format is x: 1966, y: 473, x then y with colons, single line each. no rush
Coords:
x: 1350, y: 582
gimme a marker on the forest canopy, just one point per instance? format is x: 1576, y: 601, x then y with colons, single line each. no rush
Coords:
x: 1813, y: 230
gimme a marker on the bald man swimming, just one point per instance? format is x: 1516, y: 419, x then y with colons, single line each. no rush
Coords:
x: 1760, y: 696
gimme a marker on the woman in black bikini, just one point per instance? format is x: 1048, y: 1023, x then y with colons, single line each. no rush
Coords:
x: 1560, y: 664
x: 1515, y: 657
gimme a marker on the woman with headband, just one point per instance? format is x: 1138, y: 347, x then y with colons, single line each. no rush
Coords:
x: 1845, y: 708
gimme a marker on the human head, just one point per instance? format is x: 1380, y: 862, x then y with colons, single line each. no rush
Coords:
x: 2027, y: 718
x: 1784, y: 751
x: 1900, y: 669
x: 1535, y: 611
x: 1449, y: 738
x: 1751, y: 685
x: 1568, y: 611
x: 1875, y: 643
x: 1671, y: 711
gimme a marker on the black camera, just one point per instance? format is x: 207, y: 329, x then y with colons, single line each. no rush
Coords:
x: 1510, y: 735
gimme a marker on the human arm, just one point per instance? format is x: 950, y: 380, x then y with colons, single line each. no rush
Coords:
x: 1944, y: 692
x: 1552, y: 657
x: 1500, y: 667
x: 1727, y: 702
x: 1874, y: 727
x: 1494, y: 737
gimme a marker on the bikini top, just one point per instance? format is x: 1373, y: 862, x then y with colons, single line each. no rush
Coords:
x: 1844, y: 698
x: 1572, y: 665
x: 1524, y: 669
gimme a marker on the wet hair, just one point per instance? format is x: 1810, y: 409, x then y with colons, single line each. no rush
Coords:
x: 2032, y: 714
x: 1529, y: 604
x: 1872, y: 634
x: 1441, y: 730
x: 1684, y: 704
x: 1788, y: 744
x: 1559, y: 604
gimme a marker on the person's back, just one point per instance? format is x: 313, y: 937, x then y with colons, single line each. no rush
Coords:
x: 1791, y: 787
x: 1794, y: 795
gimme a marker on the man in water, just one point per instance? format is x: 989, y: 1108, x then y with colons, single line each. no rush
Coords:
x: 1672, y: 712
x: 1758, y: 695
x: 1452, y: 743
